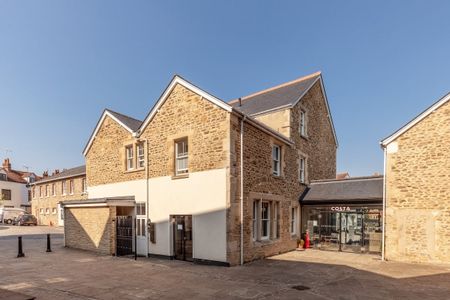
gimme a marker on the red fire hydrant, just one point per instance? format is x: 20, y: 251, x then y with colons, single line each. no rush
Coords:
x: 307, y: 241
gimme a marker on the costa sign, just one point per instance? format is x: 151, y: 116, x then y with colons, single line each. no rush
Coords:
x: 340, y: 208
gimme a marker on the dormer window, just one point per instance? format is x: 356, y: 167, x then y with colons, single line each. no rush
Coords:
x: 302, y: 123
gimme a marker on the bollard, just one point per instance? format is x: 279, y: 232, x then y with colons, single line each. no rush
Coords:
x: 20, y: 254
x: 49, y: 249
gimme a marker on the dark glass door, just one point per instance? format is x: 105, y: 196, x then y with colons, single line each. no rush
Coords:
x: 352, y: 232
x: 182, y: 233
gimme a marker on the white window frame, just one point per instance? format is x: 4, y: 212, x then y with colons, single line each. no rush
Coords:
x: 71, y: 187
x: 276, y: 160
x: 294, y: 220
x: 129, y: 157
x: 47, y: 211
x: 46, y: 190
x: 303, y: 129
x: 255, y: 214
x: 302, y: 169
x: 140, y: 155
x: 41, y: 211
x: 140, y: 208
x: 181, y: 157
x: 53, y: 189
x: 275, y: 219
x: 265, y: 221
x: 53, y: 210
x: 83, y: 185
x: 64, y: 187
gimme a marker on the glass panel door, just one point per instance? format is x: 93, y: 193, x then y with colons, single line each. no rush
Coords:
x: 352, y: 231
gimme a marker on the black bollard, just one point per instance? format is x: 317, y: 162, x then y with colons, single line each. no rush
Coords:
x: 49, y: 249
x: 20, y: 254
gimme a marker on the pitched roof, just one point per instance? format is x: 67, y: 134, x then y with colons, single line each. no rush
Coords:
x: 368, y: 189
x: 130, y: 122
x: 416, y: 120
x: 283, y: 95
x: 68, y: 173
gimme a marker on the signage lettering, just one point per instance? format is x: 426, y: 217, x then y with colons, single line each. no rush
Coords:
x: 340, y: 208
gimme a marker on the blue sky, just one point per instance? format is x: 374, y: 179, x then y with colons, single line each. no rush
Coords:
x: 63, y: 62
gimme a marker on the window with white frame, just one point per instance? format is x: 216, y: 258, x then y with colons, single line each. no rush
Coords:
x: 276, y: 220
x: 46, y: 190
x: 294, y: 220
x: 71, y: 187
x: 181, y: 157
x: 302, y: 123
x: 53, y: 189
x: 64, y: 188
x: 47, y: 211
x: 41, y: 211
x: 83, y: 185
x: 54, y: 211
x: 129, y: 157
x: 255, y: 220
x: 140, y: 155
x: 265, y: 220
x: 276, y: 160
x: 302, y: 169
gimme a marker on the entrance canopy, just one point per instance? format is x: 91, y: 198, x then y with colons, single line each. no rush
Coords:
x: 98, y: 202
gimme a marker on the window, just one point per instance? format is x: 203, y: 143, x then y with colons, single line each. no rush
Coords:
x: 47, y: 190
x: 47, y: 211
x: 265, y: 220
x: 53, y: 189
x: 181, y: 157
x: 140, y: 208
x: 276, y: 157
x: 140, y: 155
x: 2, y: 176
x: 71, y: 187
x: 293, y: 220
x: 6, y: 194
x: 83, y: 186
x: 129, y: 154
x: 276, y: 221
x: 41, y: 211
x: 302, y: 125
x: 64, y: 188
x: 54, y: 211
x: 40, y: 191
x: 302, y: 169
x: 34, y: 191
x: 140, y: 227
x: 255, y: 220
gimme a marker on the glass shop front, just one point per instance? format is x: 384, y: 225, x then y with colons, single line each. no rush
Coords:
x: 349, y: 228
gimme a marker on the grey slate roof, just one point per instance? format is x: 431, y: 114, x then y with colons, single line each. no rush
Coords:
x: 282, y: 95
x: 73, y: 172
x: 130, y: 122
x: 351, y: 189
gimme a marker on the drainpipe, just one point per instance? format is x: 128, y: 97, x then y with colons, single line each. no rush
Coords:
x: 242, y: 189
x: 383, y: 258
x: 147, y: 202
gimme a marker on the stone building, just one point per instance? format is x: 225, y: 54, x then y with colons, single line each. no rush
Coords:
x: 47, y: 192
x: 417, y: 187
x: 205, y: 180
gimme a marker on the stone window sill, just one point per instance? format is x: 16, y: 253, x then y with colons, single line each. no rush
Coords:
x: 181, y: 176
x: 304, y: 137
x: 134, y: 170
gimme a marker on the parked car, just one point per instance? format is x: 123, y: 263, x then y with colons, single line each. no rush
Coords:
x: 7, y: 215
x: 25, y: 219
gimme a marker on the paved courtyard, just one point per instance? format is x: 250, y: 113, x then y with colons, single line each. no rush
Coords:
x: 72, y: 274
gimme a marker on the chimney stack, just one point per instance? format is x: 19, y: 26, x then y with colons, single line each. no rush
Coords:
x: 7, y: 164
x: 56, y: 171
x: 45, y: 174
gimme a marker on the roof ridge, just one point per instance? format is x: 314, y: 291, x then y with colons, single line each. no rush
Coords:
x: 110, y: 110
x: 277, y: 86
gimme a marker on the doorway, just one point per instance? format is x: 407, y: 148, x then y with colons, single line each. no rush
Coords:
x: 124, y: 235
x: 182, y: 237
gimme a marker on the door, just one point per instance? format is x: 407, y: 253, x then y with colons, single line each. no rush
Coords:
x: 124, y: 235
x: 352, y: 232
x: 60, y: 215
x: 141, y: 229
x: 182, y: 234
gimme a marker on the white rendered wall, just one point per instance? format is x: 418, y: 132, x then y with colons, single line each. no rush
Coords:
x: 19, y: 193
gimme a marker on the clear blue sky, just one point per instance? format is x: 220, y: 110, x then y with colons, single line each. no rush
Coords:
x: 63, y: 62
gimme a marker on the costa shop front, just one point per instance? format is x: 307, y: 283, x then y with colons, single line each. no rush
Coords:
x: 344, y: 215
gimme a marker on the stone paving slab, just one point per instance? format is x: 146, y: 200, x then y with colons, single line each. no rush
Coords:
x: 74, y: 274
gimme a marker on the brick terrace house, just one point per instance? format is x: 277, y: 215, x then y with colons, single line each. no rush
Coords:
x: 70, y: 184
x: 14, y: 186
x: 207, y: 180
x: 417, y: 187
